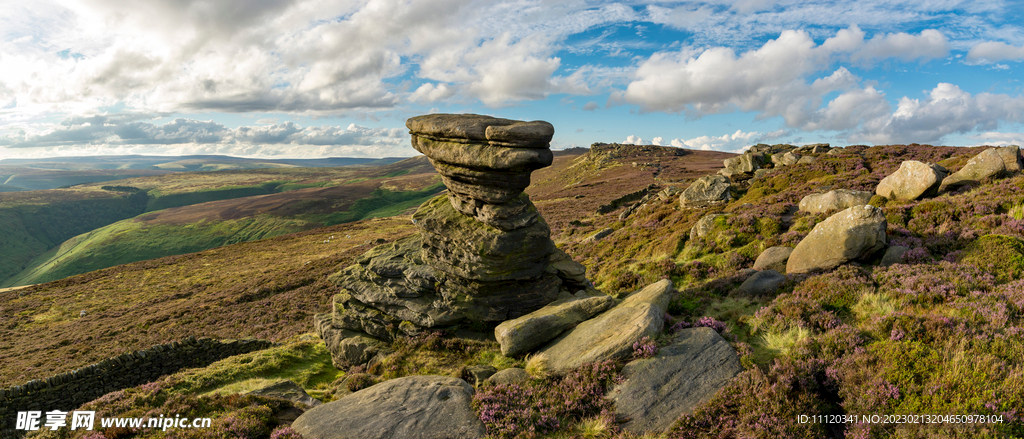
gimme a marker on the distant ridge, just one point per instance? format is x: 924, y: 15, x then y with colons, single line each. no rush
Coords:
x: 152, y: 162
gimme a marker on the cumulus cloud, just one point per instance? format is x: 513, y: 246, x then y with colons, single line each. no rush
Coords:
x: 994, y: 51
x: 634, y: 140
x: 728, y: 142
x: 947, y: 110
x: 194, y: 136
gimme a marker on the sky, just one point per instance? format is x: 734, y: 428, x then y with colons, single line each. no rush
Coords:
x: 338, y: 78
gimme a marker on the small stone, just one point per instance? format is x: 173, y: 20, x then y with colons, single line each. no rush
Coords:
x: 893, y: 255
x: 512, y: 375
x: 704, y: 225
x: 287, y: 390
x: 762, y: 283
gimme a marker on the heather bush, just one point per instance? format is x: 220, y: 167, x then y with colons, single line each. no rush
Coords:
x: 539, y: 407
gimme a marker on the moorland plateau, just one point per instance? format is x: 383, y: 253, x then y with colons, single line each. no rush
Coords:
x: 934, y: 327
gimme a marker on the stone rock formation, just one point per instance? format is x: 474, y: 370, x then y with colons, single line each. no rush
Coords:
x: 911, y: 181
x: 704, y: 225
x: 482, y: 253
x: 288, y: 390
x: 421, y: 406
x: 522, y: 334
x: 761, y: 283
x: 742, y: 165
x: 773, y: 258
x: 988, y: 164
x: 611, y: 334
x: 855, y: 233
x: 834, y: 200
x: 706, y: 191
x: 658, y: 390
x: 790, y: 158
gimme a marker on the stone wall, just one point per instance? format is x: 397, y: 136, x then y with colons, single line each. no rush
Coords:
x: 72, y: 389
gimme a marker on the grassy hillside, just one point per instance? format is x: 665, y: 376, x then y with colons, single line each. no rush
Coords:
x: 940, y: 333
x: 39, y: 221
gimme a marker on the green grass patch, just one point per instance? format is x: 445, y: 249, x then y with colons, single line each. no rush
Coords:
x: 382, y: 203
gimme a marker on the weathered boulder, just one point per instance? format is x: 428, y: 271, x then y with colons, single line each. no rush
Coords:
x: 773, y: 258
x: 834, y: 200
x: 414, y: 407
x: 347, y: 347
x: 287, y: 390
x: 681, y: 376
x: 611, y: 335
x: 855, y: 233
x: 789, y: 158
x: 988, y: 164
x: 806, y: 160
x: 743, y: 164
x: 704, y: 225
x: 525, y: 333
x: 893, y: 255
x: 475, y: 375
x: 512, y: 375
x: 761, y: 283
x: 911, y: 181
x: 707, y: 190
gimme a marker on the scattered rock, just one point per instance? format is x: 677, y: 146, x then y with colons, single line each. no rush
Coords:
x: 599, y: 235
x: 807, y: 160
x: 989, y: 164
x: 475, y: 375
x: 659, y: 390
x: 525, y: 333
x: 762, y: 283
x: 512, y: 375
x: 743, y: 164
x: 611, y: 335
x: 855, y: 233
x: 893, y: 255
x: 288, y: 390
x: 773, y: 258
x: 414, y: 407
x: 704, y: 225
x: 834, y: 200
x: 706, y: 191
x: 790, y: 158
x: 911, y: 181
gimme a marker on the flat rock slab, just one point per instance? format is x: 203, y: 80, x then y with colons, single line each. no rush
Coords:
x: 414, y: 407
x: 659, y: 390
x: 525, y: 333
x: 611, y: 335
x: 288, y: 390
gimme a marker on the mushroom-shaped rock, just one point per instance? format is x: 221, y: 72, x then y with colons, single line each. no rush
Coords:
x: 911, y: 181
x: 834, y: 200
x: 706, y: 191
x: 988, y: 164
x: 855, y: 233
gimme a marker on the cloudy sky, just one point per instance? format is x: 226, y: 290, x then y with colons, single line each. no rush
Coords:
x: 321, y: 78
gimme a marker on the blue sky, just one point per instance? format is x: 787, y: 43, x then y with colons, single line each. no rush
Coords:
x: 322, y: 78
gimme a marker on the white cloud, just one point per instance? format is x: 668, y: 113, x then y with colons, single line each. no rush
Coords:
x: 590, y: 106
x: 634, y: 140
x: 947, y: 110
x: 998, y: 139
x: 734, y: 142
x: 994, y: 51
x: 136, y: 132
x: 657, y: 141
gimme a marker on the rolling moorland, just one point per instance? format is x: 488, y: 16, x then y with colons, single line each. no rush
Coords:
x: 56, y: 233
x: 939, y: 332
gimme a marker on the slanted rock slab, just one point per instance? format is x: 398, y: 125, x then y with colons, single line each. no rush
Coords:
x: 834, y: 200
x: 611, y: 335
x: 525, y: 333
x: 414, y: 407
x: 288, y: 390
x: 911, y: 181
x: 988, y: 164
x: 659, y: 390
x: 855, y: 233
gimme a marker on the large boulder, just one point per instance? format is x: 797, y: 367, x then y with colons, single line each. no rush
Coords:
x: 789, y: 158
x: 414, y: 407
x: 773, y: 258
x: 833, y: 200
x: 681, y: 376
x: 706, y: 191
x: 611, y: 335
x: 742, y: 164
x: 855, y: 233
x: 989, y: 164
x: 911, y: 181
x: 525, y: 333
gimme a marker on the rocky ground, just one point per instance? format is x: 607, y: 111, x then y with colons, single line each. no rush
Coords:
x: 798, y: 281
